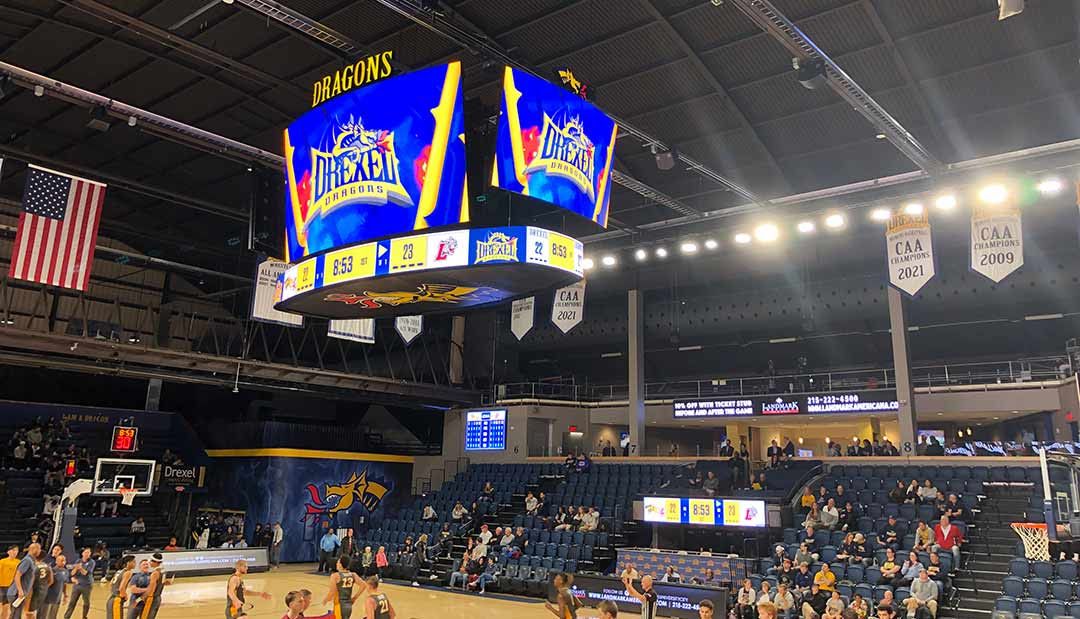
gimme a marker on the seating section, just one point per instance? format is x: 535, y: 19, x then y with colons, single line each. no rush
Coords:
x: 1050, y: 589
x: 609, y: 487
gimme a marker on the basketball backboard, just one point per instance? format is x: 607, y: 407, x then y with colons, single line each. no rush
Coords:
x: 112, y: 474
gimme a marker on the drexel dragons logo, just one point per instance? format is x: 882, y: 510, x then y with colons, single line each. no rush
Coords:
x: 429, y: 293
x: 360, y: 168
x: 498, y: 246
x: 340, y: 497
x: 566, y: 151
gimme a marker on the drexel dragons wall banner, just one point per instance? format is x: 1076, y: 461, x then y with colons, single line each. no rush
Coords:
x: 381, y: 160
x: 554, y: 146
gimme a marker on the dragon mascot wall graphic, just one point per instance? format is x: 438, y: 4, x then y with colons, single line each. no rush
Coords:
x: 357, y: 489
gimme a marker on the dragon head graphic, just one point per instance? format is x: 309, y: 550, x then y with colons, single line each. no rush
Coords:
x: 341, y: 497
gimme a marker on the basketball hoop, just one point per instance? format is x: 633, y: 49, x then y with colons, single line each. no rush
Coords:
x: 1036, y: 541
x: 127, y: 497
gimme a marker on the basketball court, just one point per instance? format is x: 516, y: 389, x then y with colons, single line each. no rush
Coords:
x: 204, y: 596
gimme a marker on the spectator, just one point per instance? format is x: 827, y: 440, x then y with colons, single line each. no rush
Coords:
x: 927, y: 492
x: 847, y: 552
x: 608, y: 451
x: 328, y: 546
x: 429, y: 513
x: 789, y: 448
x: 765, y: 595
x: 507, y: 539
x: 803, y: 578
x: 807, y: 501
x: 347, y: 544
x: 138, y: 532
x: 744, y: 600
x: 948, y: 537
x: 775, y: 454
x: 172, y: 545
x: 670, y: 575
x: 785, y: 602
x: 367, y: 562
x: 823, y: 496
x: 936, y: 570
x: 109, y: 506
x: 834, y: 450
x: 591, y: 520
x: 813, y: 519
x: 853, y: 448
x: 892, y: 534
x: 467, y: 566
x: 530, y: 504
x: 583, y: 462
x: 711, y: 485
x: 911, y: 568
x: 888, y: 449
x: 541, y: 500
x: 825, y: 579
x: 459, y: 513
x: 814, y: 603
x: 924, y: 537
x: 835, y: 605
x: 578, y: 516
x: 830, y: 517
x: 912, y: 492
x: 487, y: 493
x: 629, y: 571
x: 275, y: 546
x: 381, y: 562
x: 953, y: 509
x: 20, y: 456
x: 485, y: 534
x: 849, y: 518
x: 859, y: 605
x: 759, y: 483
x: 866, y: 449
x: 786, y: 574
x: 890, y: 569
x: 570, y: 462
x: 563, y: 519
x: 898, y: 494
x: 803, y: 555
x: 924, y: 594
x: 709, y: 580
x: 726, y: 450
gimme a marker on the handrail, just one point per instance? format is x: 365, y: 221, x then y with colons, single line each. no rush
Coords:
x: 1013, y: 371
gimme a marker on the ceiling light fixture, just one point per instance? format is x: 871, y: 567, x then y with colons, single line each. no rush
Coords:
x: 993, y: 194
x: 913, y: 208
x: 1050, y: 186
x: 767, y: 233
x: 661, y: 252
x: 945, y: 202
x: 689, y: 247
x: 834, y: 221
x: 587, y: 263
x: 608, y: 261
x: 641, y: 255
x: 880, y: 214
x: 806, y: 227
x: 743, y: 238
x: 711, y: 244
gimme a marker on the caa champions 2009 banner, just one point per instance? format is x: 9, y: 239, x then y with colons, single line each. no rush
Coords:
x: 554, y: 146
x: 385, y: 159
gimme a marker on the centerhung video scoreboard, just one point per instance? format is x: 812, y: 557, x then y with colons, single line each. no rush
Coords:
x: 485, y: 430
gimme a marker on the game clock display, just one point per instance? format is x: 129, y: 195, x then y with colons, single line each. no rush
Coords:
x: 485, y: 430
x: 124, y: 439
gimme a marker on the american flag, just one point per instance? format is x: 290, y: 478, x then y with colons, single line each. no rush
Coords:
x: 58, y: 228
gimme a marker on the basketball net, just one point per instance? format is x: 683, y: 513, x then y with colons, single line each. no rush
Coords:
x: 127, y: 497
x: 1036, y: 541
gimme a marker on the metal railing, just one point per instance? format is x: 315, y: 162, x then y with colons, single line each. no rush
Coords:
x: 948, y: 375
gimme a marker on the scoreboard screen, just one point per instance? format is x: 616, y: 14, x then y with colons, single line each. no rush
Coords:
x: 485, y: 430
x: 705, y: 511
x: 124, y: 439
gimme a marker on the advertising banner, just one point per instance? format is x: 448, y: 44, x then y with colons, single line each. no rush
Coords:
x: 997, y: 241
x: 840, y: 402
x: 910, y: 251
x: 553, y: 145
x: 380, y: 160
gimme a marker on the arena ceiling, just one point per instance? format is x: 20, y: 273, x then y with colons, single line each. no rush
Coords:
x: 695, y: 74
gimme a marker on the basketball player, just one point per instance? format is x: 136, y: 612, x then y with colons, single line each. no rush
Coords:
x: 8, y: 565
x: 608, y: 610
x: 147, y: 605
x: 24, y: 582
x: 647, y: 596
x: 118, y: 588
x: 568, y: 604
x: 57, y: 592
x: 298, y: 602
x: 341, y: 593
x: 234, y: 593
x: 378, y: 606
x: 43, y: 579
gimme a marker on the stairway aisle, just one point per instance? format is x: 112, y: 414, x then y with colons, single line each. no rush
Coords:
x: 992, y: 546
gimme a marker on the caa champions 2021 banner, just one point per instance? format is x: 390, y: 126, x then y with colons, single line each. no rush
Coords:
x: 554, y: 146
x: 385, y: 159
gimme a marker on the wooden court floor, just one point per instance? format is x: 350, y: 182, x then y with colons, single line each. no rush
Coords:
x: 204, y: 596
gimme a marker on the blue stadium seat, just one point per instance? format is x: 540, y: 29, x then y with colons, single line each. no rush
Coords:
x: 865, y: 590
x: 1042, y: 569
x: 1055, y: 608
x: 901, y: 594
x: 1019, y: 567
x: 1074, y: 609
x: 1066, y: 570
x: 1061, y: 589
x: 1038, y: 588
x: 855, y: 573
x: 1030, y: 605
x: 1013, y: 586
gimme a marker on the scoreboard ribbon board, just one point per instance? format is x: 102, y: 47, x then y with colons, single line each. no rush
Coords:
x: 705, y: 511
x: 430, y: 272
x: 838, y: 402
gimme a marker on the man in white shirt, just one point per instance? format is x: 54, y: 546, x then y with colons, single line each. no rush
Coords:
x: 485, y: 534
x: 830, y: 515
x: 530, y: 504
x: 591, y: 520
x: 507, y: 538
x: 924, y: 592
x: 275, y: 546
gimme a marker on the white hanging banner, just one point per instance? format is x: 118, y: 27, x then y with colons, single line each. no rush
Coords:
x: 408, y: 327
x: 910, y: 251
x: 359, y: 330
x: 569, y: 306
x: 997, y: 241
x: 267, y: 293
x: 521, y: 316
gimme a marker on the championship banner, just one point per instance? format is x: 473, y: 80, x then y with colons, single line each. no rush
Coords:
x: 408, y: 327
x: 997, y: 242
x: 521, y: 317
x: 569, y: 306
x: 910, y: 252
x: 268, y: 292
x: 359, y: 330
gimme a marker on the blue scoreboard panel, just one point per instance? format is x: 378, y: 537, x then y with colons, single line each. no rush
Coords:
x: 485, y: 430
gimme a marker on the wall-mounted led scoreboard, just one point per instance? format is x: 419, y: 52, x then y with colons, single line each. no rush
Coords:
x: 705, y: 511
x: 485, y: 430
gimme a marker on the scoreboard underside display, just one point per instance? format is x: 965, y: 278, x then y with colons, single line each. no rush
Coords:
x: 846, y: 402
x: 705, y: 511
x: 485, y: 430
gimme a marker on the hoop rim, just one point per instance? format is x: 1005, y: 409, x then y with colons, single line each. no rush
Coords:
x: 1035, y: 526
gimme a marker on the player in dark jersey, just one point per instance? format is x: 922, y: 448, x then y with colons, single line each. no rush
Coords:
x: 23, y: 584
x: 43, y: 579
x: 342, y: 585
x: 235, y: 592
x: 568, y: 604
x: 647, y: 596
x: 118, y: 588
x: 147, y: 605
x: 378, y: 606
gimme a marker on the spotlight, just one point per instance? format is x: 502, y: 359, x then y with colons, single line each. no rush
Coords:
x: 99, y: 119
x: 945, y: 202
x: 608, y: 261
x: 132, y: 121
x: 641, y: 255
x: 665, y: 160
x: 743, y: 238
x: 689, y: 247
x: 587, y: 264
x: 993, y: 194
x: 39, y: 91
x: 880, y: 136
x: 711, y: 244
x: 834, y: 221
x: 913, y: 208
x: 880, y: 214
x: 806, y: 227
x: 661, y: 252
x: 811, y: 73
x: 1050, y: 186
x: 767, y: 233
